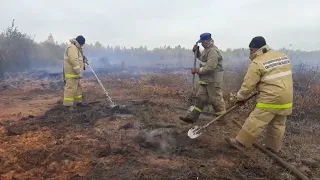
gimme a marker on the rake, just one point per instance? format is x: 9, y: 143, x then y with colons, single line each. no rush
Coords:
x: 112, y: 104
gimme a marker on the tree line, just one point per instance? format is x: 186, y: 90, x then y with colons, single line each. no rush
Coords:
x: 20, y: 52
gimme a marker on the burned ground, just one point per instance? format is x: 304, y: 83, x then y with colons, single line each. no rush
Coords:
x: 39, y: 139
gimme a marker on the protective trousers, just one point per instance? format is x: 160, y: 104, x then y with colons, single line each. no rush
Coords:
x: 211, y: 94
x: 72, y: 92
x: 258, y: 120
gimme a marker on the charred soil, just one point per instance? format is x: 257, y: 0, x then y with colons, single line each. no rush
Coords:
x: 40, y: 139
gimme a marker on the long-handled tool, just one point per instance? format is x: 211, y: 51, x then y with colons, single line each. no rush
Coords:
x: 193, y: 80
x: 112, y: 104
x: 283, y: 163
x: 195, y: 131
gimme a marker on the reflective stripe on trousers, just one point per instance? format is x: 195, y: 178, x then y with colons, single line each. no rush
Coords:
x: 72, y: 99
x: 202, y: 82
x: 273, y: 106
x: 219, y: 113
x: 78, y: 97
x: 197, y: 109
x: 68, y: 99
x: 71, y: 76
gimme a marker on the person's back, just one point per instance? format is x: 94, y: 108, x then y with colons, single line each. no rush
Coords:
x: 270, y: 73
x: 73, y: 67
x: 73, y: 60
x: 276, y: 85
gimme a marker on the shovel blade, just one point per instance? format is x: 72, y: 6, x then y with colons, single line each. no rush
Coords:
x: 122, y: 109
x: 193, y: 132
x: 191, y: 108
x: 115, y: 107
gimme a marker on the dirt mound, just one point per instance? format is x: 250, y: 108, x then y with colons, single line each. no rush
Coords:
x: 163, y: 141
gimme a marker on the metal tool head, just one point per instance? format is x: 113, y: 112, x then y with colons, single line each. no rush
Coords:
x: 114, y: 107
x: 191, y: 108
x: 122, y: 109
x: 194, y: 132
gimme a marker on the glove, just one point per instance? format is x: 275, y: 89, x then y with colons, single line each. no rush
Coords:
x: 80, y: 76
x: 85, y: 60
x: 195, y: 48
x: 195, y: 70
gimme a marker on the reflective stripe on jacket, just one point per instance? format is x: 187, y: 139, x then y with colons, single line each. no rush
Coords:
x: 73, y: 60
x: 270, y: 73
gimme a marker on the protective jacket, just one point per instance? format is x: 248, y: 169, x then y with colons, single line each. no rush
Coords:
x: 73, y: 60
x: 270, y: 73
x: 211, y: 69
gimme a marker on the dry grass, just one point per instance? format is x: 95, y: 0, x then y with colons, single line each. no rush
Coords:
x: 60, y: 146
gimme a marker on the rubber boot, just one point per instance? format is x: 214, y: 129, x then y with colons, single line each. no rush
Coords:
x: 235, y: 144
x: 191, y: 117
x: 279, y: 153
x: 186, y: 119
x: 81, y: 104
x: 221, y: 122
x: 70, y: 109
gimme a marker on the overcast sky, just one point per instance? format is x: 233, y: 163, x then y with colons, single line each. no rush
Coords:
x: 233, y: 23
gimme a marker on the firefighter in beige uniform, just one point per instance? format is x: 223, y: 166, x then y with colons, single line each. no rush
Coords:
x: 73, y: 67
x: 210, y: 79
x: 270, y: 74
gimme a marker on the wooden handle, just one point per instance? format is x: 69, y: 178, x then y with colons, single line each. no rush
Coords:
x: 236, y: 105
x: 194, y: 76
x: 283, y: 163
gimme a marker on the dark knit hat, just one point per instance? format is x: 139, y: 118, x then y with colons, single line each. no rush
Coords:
x: 257, y: 42
x: 81, y: 40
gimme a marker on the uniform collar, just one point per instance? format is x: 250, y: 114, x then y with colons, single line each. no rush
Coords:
x: 75, y: 42
x: 210, y: 45
x: 259, y: 52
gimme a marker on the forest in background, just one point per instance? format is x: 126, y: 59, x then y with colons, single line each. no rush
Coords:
x: 20, y: 52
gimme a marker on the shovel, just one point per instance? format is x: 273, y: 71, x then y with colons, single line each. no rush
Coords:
x: 114, y: 107
x: 193, y: 80
x: 196, y: 131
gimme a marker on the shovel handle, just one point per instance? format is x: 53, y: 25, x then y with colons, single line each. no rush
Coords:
x: 282, y: 162
x: 229, y: 110
x: 194, y: 76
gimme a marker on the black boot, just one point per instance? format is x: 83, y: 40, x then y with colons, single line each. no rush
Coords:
x: 70, y: 109
x: 235, y: 144
x: 186, y: 119
x: 221, y: 122
x: 81, y: 104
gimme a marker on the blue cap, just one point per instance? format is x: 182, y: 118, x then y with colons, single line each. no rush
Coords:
x: 204, y: 37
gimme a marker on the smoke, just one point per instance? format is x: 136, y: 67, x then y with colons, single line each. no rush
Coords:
x: 162, y: 140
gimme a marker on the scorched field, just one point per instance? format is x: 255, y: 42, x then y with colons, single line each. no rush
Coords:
x: 40, y: 140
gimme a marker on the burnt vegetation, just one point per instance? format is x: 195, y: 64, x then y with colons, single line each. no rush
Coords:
x: 39, y: 140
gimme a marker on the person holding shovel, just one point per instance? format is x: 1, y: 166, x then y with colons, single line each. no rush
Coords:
x: 270, y: 73
x: 73, y: 67
x: 210, y: 79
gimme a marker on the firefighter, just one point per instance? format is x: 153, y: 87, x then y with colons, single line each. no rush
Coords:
x: 73, y: 68
x: 270, y: 73
x: 210, y: 79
